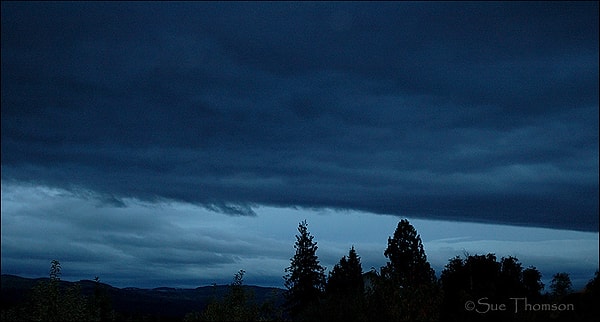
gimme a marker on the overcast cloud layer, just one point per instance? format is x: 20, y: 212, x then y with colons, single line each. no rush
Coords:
x: 482, y: 112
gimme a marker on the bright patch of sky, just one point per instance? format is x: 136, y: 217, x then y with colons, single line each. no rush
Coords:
x: 181, y: 245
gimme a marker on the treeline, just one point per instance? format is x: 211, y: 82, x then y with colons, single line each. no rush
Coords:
x: 473, y: 288
x: 470, y: 288
x: 406, y: 288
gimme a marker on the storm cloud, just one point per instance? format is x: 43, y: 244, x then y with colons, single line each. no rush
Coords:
x: 479, y: 112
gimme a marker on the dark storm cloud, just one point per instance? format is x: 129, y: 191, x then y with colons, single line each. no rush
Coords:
x: 468, y: 111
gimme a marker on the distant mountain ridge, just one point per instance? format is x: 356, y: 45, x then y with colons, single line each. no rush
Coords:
x: 167, y: 302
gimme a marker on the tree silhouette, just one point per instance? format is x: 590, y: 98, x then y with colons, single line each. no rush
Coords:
x: 55, y: 270
x: 593, y: 285
x: 408, y: 284
x: 51, y: 303
x: 99, y: 304
x: 589, y: 302
x: 346, y: 276
x: 407, y: 263
x: 305, y: 278
x: 560, y: 285
x: 345, y: 300
x: 236, y: 305
x: 532, y: 281
x: 511, y: 278
x: 46, y: 296
x: 482, y: 276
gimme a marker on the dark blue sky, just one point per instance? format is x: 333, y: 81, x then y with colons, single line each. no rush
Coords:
x: 480, y: 112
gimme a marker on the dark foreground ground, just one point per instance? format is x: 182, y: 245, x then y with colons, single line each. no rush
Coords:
x: 163, y: 303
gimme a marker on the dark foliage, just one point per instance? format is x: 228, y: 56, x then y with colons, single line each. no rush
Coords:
x: 532, y: 282
x: 483, y: 277
x: 407, y: 286
x: 560, y: 285
x: 130, y: 304
x: 407, y: 263
x: 345, y: 293
x: 305, y: 278
x: 238, y: 304
x: 52, y: 300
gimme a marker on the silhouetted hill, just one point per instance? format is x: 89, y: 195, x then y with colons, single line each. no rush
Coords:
x: 167, y: 302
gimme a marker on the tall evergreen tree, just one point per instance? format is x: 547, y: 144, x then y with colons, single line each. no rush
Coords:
x: 305, y: 278
x: 407, y: 263
x: 408, y: 284
x: 346, y: 276
x: 345, y: 296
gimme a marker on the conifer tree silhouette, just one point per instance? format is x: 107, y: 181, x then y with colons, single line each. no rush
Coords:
x: 305, y: 278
